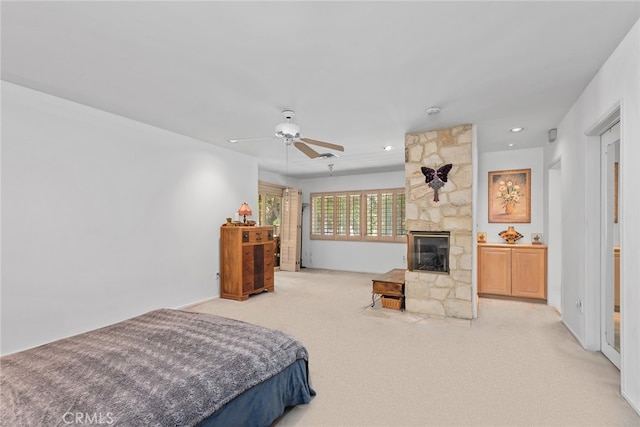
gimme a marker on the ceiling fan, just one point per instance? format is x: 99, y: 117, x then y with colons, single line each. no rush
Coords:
x: 290, y: 133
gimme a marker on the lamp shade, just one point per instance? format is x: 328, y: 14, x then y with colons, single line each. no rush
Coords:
x: 244, y: 210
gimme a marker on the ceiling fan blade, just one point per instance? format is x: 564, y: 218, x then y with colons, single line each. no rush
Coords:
x: 323, y: 144
x: 310, y: 152
x: 236, y: 140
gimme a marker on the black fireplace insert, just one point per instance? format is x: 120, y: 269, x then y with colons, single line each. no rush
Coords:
x: 428, y: 251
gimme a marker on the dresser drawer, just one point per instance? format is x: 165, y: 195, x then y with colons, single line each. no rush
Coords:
x: 387, y: 288
x: 247, y: 253
x: 268, y: 279
x: 269, y: 250
x: 248, y: 270
x: 257, y: 236
x: 248, y: 283
x: 251, y: 252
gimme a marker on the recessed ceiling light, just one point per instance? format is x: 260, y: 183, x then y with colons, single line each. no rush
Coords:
x: 433, y: 110
x: 387, y: 147
x: 233, y: 141
x: 510, y: 145
x: 517, y: 129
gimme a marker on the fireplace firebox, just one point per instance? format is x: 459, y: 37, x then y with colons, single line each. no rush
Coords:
x: 428, y: 251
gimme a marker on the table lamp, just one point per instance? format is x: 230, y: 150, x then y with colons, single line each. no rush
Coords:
x: 244, y: 211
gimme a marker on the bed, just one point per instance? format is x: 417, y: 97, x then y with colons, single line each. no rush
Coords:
x: 163, y: 368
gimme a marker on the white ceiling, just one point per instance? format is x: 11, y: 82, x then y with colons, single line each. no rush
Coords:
x: 359, y: 74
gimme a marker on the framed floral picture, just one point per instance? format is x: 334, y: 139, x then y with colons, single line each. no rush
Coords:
x: 510, y: 196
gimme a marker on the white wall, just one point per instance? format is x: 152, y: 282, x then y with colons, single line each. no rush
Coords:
x: 374, y: 257
x: 104, y: 218
x: 616, y: 83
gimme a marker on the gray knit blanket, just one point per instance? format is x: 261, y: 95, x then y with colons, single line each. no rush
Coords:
x: 163, y: 368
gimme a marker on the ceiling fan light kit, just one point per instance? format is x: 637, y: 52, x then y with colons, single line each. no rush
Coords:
x: 288, y: 131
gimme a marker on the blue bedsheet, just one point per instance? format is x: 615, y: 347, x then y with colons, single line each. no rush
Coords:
x: 261, y: 405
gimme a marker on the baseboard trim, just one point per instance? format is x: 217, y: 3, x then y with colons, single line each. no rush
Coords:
x: 575, y: 336
x: 193, y: 304
x: 630, y: 402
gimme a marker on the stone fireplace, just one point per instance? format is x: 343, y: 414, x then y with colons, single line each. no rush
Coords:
x: 444, y: 287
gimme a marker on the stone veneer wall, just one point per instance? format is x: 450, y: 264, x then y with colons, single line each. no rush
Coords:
x: 442, y: 295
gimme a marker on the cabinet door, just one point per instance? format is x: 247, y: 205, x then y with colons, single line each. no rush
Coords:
x: 494, y: 270
x: 528, y: 273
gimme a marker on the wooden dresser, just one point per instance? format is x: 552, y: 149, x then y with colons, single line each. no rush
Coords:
x: 518, y: 270
x: 246, y: 261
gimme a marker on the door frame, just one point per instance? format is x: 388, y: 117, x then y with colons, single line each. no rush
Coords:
x: 607, y: 139
x: 591, y: 307
x: 554, y: 235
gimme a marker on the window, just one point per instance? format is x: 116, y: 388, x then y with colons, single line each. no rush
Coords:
x: 270, y: 205
x: 316, y: 216
x: 328, y: 217
x: 386, y: 215
x: 374, y: 215
x: 354, y: 216
x: 341, y: 215
x: 401, y: 215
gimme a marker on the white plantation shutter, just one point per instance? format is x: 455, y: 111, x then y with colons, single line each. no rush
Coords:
x: 291, y: 230
x: 373, y: 215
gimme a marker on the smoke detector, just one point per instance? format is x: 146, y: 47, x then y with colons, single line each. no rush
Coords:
x: 432, y: 111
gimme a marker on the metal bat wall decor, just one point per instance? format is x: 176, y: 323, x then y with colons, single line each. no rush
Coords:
x: 436, y: 179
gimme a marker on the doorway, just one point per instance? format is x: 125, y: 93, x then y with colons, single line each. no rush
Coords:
x: 610, y: 297
x: 270, y: 213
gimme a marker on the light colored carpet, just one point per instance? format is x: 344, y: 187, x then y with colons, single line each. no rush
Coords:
x: 516, y: 365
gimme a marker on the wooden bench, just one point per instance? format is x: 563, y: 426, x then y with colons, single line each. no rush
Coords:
x: 390, y: 284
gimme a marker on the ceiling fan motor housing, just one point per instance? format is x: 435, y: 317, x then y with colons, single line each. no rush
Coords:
x: 288, y: 130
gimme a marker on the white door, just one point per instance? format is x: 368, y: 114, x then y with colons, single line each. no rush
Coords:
x: 610, y: 247
x: 291, y: 230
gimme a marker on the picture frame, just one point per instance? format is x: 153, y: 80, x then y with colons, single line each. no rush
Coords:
x: 510, y: 196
